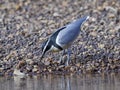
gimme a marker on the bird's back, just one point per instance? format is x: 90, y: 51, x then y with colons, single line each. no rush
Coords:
x: 68, y: 34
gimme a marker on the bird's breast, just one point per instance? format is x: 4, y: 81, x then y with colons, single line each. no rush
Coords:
x: 54, y: 49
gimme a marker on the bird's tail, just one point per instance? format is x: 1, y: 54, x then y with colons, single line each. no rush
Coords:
x: 83, y: 19
x: 80, y: 21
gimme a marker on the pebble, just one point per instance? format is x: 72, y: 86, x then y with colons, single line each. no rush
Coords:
x: 18, y: 73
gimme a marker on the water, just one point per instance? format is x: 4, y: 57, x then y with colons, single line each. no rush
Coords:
x: 62, y: 82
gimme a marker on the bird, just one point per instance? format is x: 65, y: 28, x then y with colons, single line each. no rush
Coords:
x: 63, y: 38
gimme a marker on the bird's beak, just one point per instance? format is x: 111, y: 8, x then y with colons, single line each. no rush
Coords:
x: 42, y: 56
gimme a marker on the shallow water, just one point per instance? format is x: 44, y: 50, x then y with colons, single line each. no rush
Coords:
x: 62, y: 82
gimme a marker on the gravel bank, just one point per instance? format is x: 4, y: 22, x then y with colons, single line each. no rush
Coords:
x: 25, y: 24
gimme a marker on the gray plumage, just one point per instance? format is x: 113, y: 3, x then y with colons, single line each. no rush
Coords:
x: 63, y: 37
x: 70, y: 32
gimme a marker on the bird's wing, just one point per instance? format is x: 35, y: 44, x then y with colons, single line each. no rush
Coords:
x: 56, y: 32
x: 67, y: 35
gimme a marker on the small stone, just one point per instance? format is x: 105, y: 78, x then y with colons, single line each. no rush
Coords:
x: 47, y: 62
x: 29, y: 61
x: 21, y: 64
x: 35, y: 69
x: 56, y: 14
x: 99, y: 8
x: 18, y: 73
x: 78, y: 64
x: 111, y: 16
x: 93, y: 19
x: 101, y: 45
x: 93, y: 34
x: 64, y: 3
x: 73, y: 69
x: 50, y: 70
x: 96, y: 64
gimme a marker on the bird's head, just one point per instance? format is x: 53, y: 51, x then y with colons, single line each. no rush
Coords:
x: 45, y: 47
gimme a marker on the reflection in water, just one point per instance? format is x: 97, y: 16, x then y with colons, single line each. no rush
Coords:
x: 61, y: 82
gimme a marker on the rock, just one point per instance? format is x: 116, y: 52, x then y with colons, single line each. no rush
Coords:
x: 73, y: 69
x: 35, y: 69
x: 18, y: 73
x: 56, y: 14
x: 21, y: 64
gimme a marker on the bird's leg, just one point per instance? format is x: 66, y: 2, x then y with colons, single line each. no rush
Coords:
x: 68, y: 57
x: 61, y: 56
